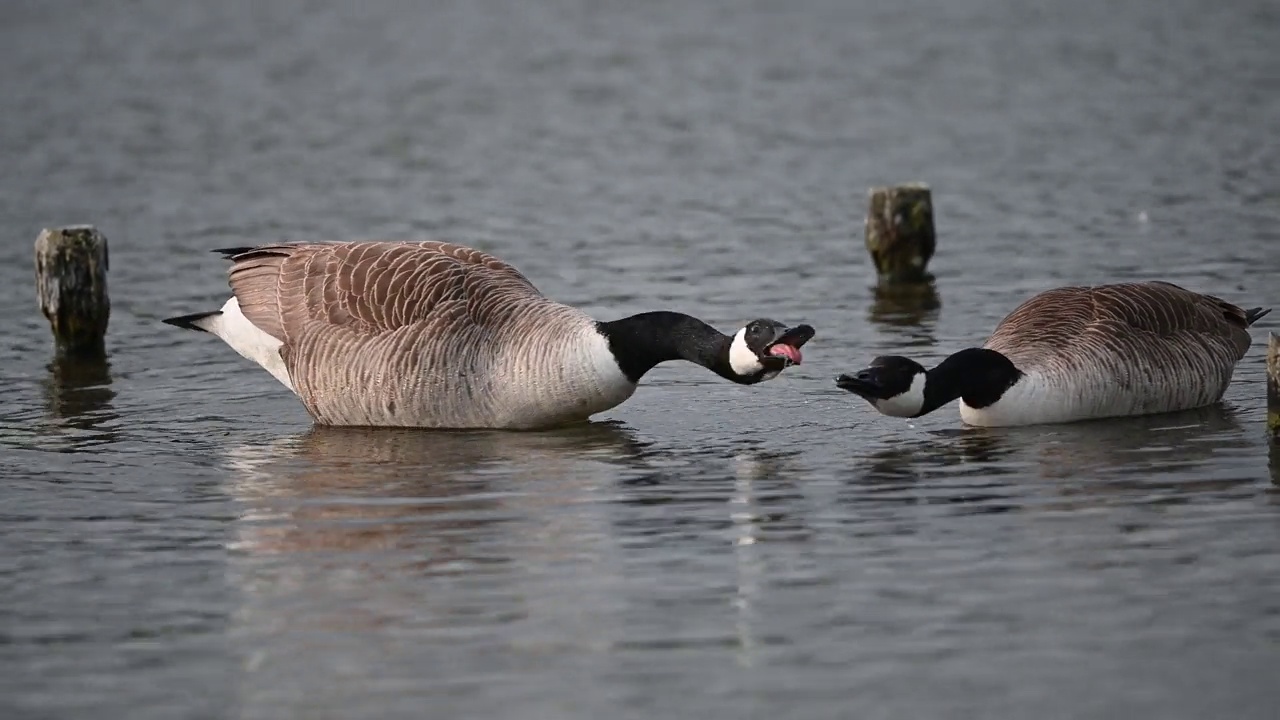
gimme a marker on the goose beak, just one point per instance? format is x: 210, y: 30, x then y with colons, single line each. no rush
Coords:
x: 786, y: 345
x: 864, y: 384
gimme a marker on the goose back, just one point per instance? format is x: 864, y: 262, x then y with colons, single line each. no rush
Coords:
x: 426, y: 334
x: 1121, y: 349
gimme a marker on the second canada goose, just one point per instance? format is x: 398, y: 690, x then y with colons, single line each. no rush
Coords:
x: 438, y: 335
x: 1077, y: 353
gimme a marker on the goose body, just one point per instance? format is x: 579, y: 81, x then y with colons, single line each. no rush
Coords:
x: 1077, y: 353
x: 439, y: 335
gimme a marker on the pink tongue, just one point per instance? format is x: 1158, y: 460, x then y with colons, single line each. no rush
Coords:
x: 786, y: 351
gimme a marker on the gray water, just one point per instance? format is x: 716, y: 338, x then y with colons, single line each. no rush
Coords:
x: 178, y: 541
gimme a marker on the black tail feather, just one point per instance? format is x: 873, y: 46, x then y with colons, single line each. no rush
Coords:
x: 1254, y: 315
x: 189, y: 321
x: 246, y: 253
x: 228, y: 253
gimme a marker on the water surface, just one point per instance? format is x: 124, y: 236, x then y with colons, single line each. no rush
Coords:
x: 179, y: 541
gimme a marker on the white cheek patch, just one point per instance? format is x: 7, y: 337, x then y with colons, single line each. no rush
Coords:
x: 906, y: 404
x: 742, y: 359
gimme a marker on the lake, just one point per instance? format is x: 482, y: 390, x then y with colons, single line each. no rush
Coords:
x: 177, y: 540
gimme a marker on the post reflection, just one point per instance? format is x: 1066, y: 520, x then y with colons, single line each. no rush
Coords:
x: 910, y: 310
x: 1273, y: 460
x: 78, y: 395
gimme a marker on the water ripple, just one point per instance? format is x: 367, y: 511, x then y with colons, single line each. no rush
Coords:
x: 180, y: 541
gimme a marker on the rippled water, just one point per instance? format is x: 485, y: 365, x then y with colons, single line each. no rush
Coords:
x: 177, y: 540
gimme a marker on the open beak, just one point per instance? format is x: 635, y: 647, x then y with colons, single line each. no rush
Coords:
x: 786, y: 346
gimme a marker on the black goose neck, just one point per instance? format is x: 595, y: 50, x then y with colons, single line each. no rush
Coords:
x: 977, y: 375
x: 640, y: 342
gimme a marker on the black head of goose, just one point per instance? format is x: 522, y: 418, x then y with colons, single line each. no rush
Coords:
x: 756, y: 353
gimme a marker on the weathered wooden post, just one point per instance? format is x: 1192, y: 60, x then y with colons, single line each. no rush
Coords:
x: 900, y: 233
x: 1273, y: 385
x: 71, y: 282
x: 900, y: 237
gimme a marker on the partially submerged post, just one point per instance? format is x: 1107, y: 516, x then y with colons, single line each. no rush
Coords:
x: 71, y: 283
x: 900, y: 238
x: 900, y: 233
x: 1273, y: 385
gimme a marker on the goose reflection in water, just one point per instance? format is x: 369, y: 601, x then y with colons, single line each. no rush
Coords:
x: 361, y: 552
x: 334, y: 488
x: 1118, y: 458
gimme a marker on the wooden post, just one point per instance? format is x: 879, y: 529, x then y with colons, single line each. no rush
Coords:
x: 1273, y: 385
x: 900, y: 233
x: 71, y: 282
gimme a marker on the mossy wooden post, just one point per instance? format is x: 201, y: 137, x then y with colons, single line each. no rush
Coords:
x: 900, y: 233
x: 1273, y: 385
x: 900, y: 237
x: 71, y: 283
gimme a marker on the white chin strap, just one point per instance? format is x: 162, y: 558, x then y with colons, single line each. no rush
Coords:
x: 742, y: 359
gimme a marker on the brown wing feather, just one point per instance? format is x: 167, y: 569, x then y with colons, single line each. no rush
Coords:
x: 367, y: 288
x: 1134, y: 318
x: 378, y: 333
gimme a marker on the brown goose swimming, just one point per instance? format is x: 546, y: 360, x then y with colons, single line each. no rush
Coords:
x: 1077, y: 353
x: 438, y: 335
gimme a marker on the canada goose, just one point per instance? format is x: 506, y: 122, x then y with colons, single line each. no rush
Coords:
x: 438, y: 335
x: 1077, y: 353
